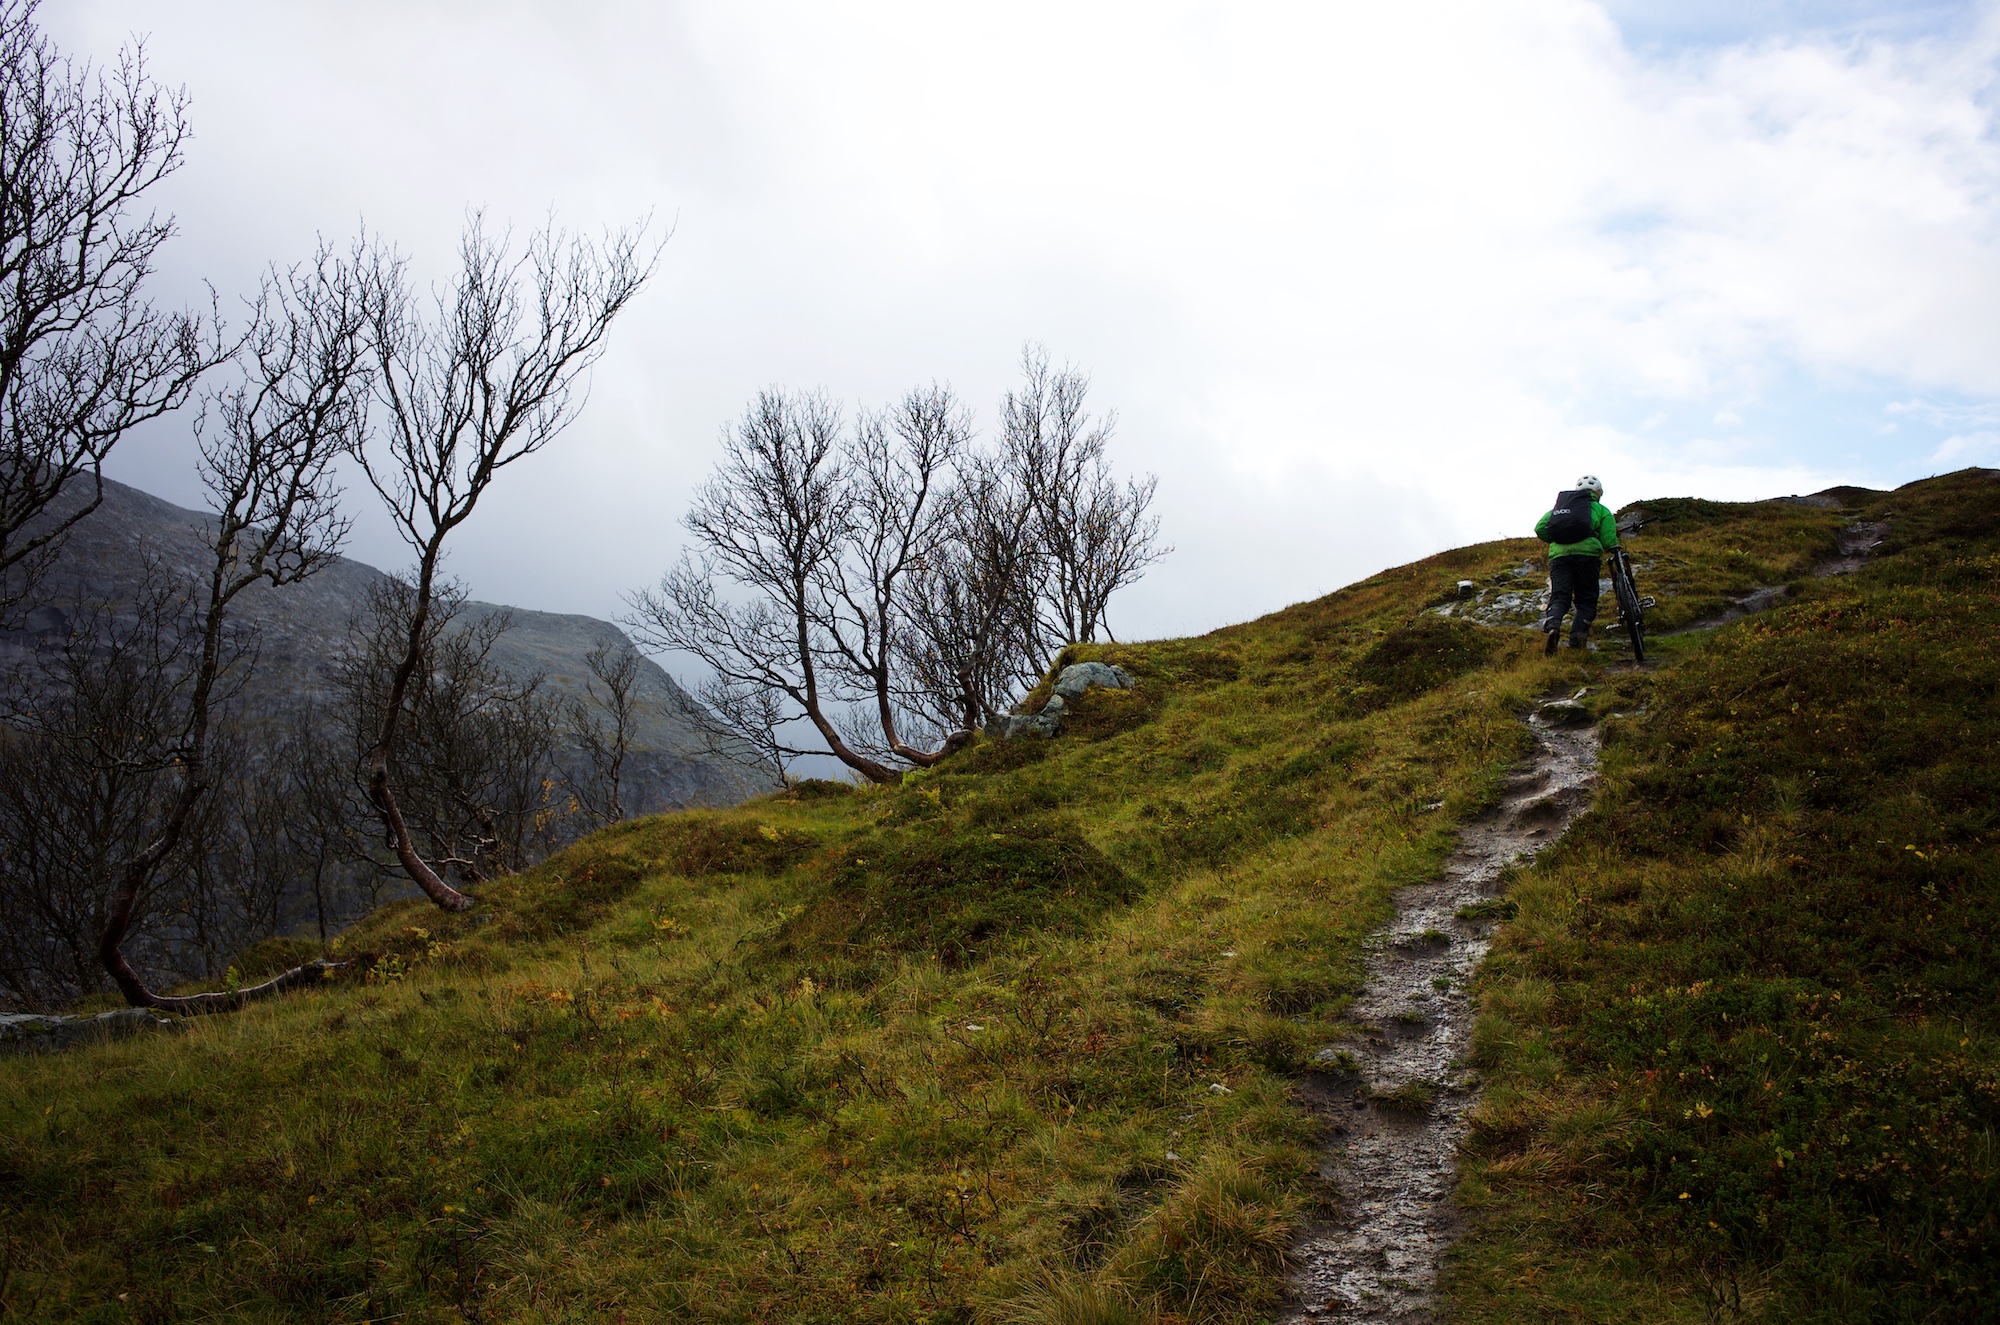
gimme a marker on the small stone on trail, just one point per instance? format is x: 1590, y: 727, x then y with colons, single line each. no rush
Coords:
x: 1218, y: 1088
x: 1564, y: 713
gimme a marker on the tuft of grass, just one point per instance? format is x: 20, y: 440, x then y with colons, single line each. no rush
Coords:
x: 1223, y: 1231
x: 1415, y: 659
x: 1410, y: 1097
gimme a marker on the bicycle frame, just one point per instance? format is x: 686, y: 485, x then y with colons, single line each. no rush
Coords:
x: 1631, y: 606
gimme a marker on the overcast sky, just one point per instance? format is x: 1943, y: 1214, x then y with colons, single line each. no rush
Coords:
x: 1362, y: 281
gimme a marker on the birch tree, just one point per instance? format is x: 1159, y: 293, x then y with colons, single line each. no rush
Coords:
x: 481, y: 376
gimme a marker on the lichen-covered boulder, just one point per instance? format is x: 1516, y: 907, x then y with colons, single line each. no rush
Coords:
x: 1079, y: 677
x: 1070, y: 685
x: 1046, y: 723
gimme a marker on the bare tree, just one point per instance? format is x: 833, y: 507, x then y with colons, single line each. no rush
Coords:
x: 1094, y: 534
x: 613, y: 692
x: 476, y: 753
x: 771, y: 521
x: 899, y: 571
x: 266, y: 461
x: 94, y: 717
x: 234, y: 872
x: 484, y: 378
x: 974, y: 639
x: 84, y: 358
x: 822, y: 528
x: 300, y: 809
x: 899, y: 467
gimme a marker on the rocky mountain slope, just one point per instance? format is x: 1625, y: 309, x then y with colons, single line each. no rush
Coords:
x: 299, y: 629
x: 1104, y: 1027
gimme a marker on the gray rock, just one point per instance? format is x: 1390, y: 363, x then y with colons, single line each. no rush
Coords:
x: 31, y: 1033
x: 1564, y: 713
x: 1079, y: 677
x: 1070, y: 685
x: 1498, y: 607
x: 1009, y: 726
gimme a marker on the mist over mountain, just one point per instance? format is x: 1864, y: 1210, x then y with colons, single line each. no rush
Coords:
x: 300, y: 630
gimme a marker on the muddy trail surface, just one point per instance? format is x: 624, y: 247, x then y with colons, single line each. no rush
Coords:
x: 1398, y: 1113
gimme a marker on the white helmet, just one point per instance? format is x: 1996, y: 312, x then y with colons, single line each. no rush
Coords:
x: 1588, y: 481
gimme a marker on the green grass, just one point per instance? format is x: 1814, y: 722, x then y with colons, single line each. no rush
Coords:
x: 1698, y: 557
x: 1016, y: 1041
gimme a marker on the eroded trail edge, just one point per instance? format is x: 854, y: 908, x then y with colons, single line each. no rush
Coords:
x: 1398, y: 1120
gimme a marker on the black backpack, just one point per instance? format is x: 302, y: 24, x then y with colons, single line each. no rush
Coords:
x: 1571, y: 520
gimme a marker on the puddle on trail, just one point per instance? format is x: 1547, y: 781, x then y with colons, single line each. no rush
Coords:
x: 1392, y: 1159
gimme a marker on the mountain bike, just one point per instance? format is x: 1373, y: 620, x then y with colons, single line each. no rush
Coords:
x: 1631, y: 607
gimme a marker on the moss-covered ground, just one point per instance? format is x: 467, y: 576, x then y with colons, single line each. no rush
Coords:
x: 1017, y: 1040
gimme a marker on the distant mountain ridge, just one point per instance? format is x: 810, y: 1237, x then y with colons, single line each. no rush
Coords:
x: 301, y: 627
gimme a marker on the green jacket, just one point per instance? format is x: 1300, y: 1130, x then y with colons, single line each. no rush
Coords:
x: 1604, y: 537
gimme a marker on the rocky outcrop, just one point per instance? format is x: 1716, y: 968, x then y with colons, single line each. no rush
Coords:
x: 1853, y: 546
x: 1517, y: 596
x: 1070, y: 686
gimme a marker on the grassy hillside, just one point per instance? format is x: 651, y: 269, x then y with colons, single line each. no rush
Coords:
x: 1742, y: 1034
x: 1018, y: 1039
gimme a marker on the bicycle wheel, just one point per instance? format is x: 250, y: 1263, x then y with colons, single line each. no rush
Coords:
x: 1631, y: 612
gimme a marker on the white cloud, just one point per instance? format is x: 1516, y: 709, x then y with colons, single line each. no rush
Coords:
x: 1362, y: 281
x: 1962, y: 449
x: 1946, y: 415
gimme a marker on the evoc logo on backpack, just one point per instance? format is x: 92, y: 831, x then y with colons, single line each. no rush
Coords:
x: 1571, y: 521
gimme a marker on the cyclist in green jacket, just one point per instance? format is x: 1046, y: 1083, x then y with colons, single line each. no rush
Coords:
x: 1574, y: 568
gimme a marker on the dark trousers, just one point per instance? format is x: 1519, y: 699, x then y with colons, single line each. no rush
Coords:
x: 1572, y: 581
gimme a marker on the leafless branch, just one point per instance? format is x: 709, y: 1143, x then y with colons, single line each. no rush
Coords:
x: 1095, y: 534
x: 297, y: 407
x: 602, y: 725
x: 772, y: 523
x: 484, y: 378
x: 84, y: 358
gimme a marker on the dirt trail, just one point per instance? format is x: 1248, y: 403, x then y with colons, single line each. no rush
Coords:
x: 1853, y: 546
x: 1392, y: 1156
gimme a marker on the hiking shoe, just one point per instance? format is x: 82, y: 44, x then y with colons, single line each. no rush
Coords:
x: 1583, y: 644
x: 1549, y: 649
